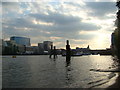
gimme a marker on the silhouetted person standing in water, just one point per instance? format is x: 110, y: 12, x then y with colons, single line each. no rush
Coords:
x: 68, y: 52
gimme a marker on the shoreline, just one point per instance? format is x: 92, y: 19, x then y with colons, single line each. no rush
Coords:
x: 116, y: 84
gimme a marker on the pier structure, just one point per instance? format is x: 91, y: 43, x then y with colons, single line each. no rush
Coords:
x: 53, y: 52
x: 68, y: 52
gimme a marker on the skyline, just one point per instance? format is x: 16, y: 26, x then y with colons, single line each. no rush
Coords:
x: 49, y: 41
x: 82, y: 23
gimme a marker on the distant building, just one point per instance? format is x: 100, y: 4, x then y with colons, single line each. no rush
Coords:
x: 47, y: 45
x: 21, y: 49
x: 21, y: 40
x: 4, y: 45
x: 1, y: 46
x: 9, y: 47
x: 35, y: 49
x: 83, y: 50
x: 41, y: 48
x: 29, y: 50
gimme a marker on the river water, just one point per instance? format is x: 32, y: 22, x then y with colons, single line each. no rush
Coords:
x: 38, y: 71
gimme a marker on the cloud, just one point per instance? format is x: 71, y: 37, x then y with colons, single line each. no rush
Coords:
x: 56, y: 21
x: 56, y: 18
x: 101, y: 9
x: 64, y: 22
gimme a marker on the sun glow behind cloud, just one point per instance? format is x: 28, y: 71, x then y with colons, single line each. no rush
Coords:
x: 101, y: 41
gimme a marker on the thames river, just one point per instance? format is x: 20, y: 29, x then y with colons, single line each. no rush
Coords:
x: 38, y: 71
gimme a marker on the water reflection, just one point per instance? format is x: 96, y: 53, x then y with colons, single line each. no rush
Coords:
x: 53, y: 59
x: 110, y: 74
x: 68, y: 73
x: 68, y: 63
x: 15, y: 73
x: 117, y: 64
x: 102, y: 80
x: 40, y: 71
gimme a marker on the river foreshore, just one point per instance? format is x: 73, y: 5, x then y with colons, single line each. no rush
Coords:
x: 116, y: 84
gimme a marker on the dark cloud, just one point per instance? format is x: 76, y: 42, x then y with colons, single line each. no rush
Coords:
x: 64, y: 22
x: 100, y: 9
x: 63, y: 25
x: 56, y: 18
x: 10, y: 9
x: 10, y: 4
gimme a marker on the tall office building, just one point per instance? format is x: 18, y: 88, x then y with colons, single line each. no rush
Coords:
x: 47, y: 45
x: 21, y: 40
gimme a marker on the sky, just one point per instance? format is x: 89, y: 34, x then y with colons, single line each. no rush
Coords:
x: 82, y: 22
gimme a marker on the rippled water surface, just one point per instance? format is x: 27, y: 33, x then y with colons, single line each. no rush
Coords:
x: 41, y: 72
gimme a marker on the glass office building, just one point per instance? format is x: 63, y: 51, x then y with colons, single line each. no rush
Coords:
x: 21, y: 40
